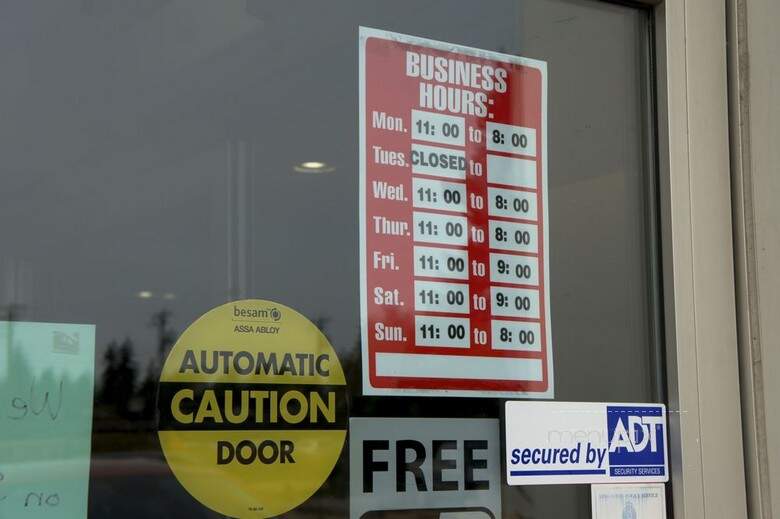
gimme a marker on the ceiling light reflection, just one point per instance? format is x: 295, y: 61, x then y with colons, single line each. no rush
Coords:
x: 313, y: 166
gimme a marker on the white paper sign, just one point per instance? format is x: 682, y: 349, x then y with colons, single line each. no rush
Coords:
x: 585, y: 442
x: 46, y: 391
x: 628, y: 501
x: 425, y: 468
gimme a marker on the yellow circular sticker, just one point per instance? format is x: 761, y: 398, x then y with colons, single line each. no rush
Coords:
x: 252, y: 409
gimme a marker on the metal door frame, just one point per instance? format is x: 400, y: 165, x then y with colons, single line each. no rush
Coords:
x: 697, y: 251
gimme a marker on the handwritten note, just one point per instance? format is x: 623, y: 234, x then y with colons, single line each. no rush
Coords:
x: 47, y: 374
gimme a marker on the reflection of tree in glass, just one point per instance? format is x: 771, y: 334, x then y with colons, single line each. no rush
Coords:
x: 126, y: 397
x: 119, y: 376
x: 147, y: 391
x: 119, y: 390
x: 165, y: 334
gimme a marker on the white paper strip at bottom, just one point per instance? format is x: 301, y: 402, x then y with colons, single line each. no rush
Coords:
x: 419, y: 365
x: 646, y: 501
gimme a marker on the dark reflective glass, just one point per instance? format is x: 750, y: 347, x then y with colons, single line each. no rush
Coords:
x: 151, y: 165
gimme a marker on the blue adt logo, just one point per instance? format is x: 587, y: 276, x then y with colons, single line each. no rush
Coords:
x: 636, y: 441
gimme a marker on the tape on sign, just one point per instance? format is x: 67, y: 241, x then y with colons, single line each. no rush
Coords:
x: 252, y: 409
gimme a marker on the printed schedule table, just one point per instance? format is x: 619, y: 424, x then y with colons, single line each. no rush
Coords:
x: 453, y: 220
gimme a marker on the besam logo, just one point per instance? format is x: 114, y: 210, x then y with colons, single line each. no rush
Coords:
x: 636, y: 440
x: 264, y: 314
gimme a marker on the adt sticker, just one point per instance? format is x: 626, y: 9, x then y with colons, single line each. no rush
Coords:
x: 585, y: 442
x: 636, y: 444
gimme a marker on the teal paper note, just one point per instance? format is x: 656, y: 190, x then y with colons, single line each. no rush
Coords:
x: 47, y: 374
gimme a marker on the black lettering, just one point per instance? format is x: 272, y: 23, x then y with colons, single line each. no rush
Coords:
x: 441, y: 464
x: 453, y: 161
x: 266, y: 366
x: 261, y: 451
x: 246, y: 452
x: 53, y: 414
x: 301, y: 358
x: 243, y: 445
x: 204, y: 364
x: 322, y: 371
x: 369, y: 465
x: 237, y: 366
x: 20, y: 405
x: 225, y: 452
x: 36, y: 495
x: 189, y: 363
x: 287, y: 449
x: 226, y: 355
x: 470, y: 464
x: 287, y: 365
x: 402, y: 466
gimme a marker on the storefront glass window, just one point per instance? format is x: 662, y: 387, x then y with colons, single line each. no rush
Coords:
x: 160, y: 158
